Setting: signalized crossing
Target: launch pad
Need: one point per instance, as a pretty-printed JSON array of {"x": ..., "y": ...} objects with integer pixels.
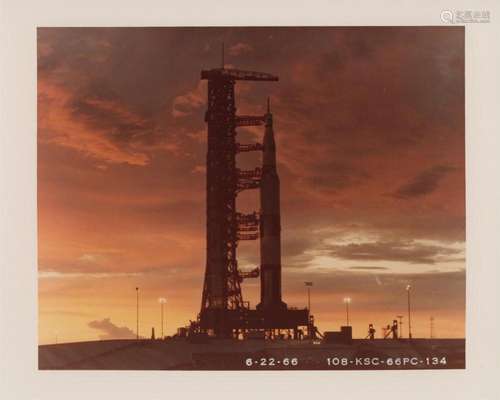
[
  {"x": 244, "y": 320},
  {"x": 223, "y": 313}
]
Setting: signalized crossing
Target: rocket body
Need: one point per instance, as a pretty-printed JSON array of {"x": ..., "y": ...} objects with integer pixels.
[{"x": 270, "y": 225}]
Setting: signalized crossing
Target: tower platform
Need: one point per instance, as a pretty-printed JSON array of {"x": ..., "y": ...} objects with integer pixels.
[{"x": 255, "y": 319}]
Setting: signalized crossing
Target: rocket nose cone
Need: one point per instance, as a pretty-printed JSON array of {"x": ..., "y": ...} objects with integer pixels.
[{"x": 269, "y": 151}]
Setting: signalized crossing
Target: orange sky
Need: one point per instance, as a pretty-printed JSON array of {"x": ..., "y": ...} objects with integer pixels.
[{"x": 370, "y": 133}]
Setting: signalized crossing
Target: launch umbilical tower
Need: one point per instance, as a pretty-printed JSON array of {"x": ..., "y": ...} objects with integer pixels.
[{"x": 223, "y": 311}]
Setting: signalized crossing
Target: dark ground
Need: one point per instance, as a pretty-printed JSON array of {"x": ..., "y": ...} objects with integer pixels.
[{"x": 179, "y": 354}]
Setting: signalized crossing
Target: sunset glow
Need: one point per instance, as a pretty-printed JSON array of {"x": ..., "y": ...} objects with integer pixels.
[{"x": 369, "y": 125}]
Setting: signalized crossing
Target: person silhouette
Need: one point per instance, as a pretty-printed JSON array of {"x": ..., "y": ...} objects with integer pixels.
[
  {"x": 371, "y": 332},
  {"x": 387, "y": 331},
  {"x": 394, "y": 329}
]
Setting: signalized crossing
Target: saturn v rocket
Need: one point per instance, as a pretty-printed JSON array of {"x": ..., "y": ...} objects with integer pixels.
[{"x": 270, "y": 224}]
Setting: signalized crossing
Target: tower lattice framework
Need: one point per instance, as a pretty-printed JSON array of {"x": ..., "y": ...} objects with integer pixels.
[{"x": 222, "y": 296}]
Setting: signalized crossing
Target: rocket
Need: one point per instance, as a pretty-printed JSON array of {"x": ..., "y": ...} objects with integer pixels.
[{"x": 270, "y": 225}]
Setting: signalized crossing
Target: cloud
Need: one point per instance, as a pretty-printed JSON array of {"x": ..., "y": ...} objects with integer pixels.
[
  {"x": 405, "y": 251},
  {"x": 369, "y": 268},
  {"x": 376, "y": 292},
  {"x": 199, "y": 169},
  {"x": 89, "y": 257},
  {"x": 111, "y": 331},
  {"x": 183, "y": 105},
  {"x": 424, "y": 183},
  {"x": 240, "y": 48},
  {"x": 66, "y": 313},
  {"x": 333, "y": 176},
  {"x": 90, "y": 104},
  {"x": 93, "y": 127},
  {"x": 85, "y": 275}
]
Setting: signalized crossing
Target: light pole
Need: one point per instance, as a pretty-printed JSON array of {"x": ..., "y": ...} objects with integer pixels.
[
  {"x": 347, "y": 301},
  {"x": 400, "y": 317},
  {"x": 408, "y": 289},
  {"x": 162, "y": 301},
  {"x": 137, "y": 312},
  {"x": 308, "y": 285}
]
